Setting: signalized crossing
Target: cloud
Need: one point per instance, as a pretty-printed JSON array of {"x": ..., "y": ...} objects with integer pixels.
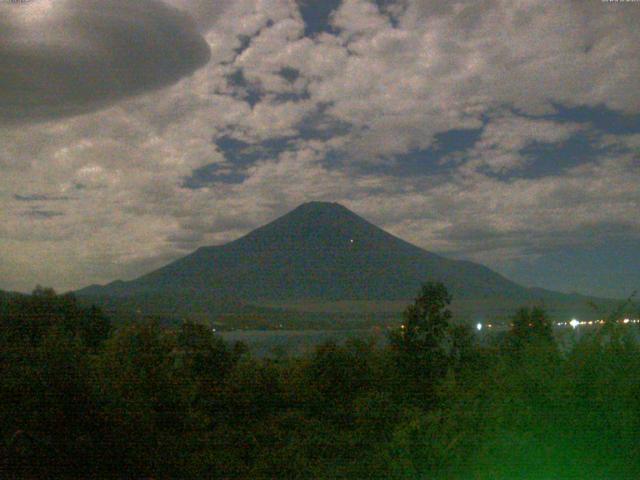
[
  {"x": 63, "y": 57},
  {"x": 377, "y": 85},
  {"x": 39, "y": 198},
  {"x": 42, "y": 213},
  {"x": 446, "y": 65},
  {"x": 203, "y": 12},
  {"x": 500, "y": 146}
]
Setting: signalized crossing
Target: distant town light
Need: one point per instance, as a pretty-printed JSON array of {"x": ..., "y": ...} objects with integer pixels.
[
  {"x": 574, "y": 323},
  {"x": 626, "y": 320},
  {"x": 479, "y": 327}
]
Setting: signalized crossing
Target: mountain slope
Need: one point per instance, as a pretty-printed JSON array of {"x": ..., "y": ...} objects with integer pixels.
[{"x": 319, "y": 252}]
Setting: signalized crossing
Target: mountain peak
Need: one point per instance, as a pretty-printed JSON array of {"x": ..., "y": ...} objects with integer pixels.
[
  {"x": 319, "y": 204},
  {"x": 322, "y": 204},
  {"x": 321, "y": 207},
  {"x": 321, "y": 223},
  {"x": 320, "y": 251}
]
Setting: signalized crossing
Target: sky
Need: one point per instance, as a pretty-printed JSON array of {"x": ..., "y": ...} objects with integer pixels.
[{"x": 506, "y": 132}]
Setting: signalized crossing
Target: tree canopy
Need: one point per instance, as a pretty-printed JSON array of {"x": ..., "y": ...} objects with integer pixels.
[{"x": 143, "y": 400}]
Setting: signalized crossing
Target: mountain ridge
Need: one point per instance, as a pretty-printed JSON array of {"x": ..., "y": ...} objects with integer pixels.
[{"x": 318, "y": 252}]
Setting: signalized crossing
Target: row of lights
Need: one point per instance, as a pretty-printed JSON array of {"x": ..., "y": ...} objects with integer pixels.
[
  {"x": 576, "y": 323},
  {"x": 480, "y": 326},
  {"x": 573, "y": 323}
]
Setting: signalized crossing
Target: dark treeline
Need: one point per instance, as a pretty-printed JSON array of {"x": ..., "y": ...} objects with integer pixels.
[{"x": 80, "y": 398}]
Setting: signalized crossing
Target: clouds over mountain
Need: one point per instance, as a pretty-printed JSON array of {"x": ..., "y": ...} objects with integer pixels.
[
  {"x": 61, "y": 57},
  {"x": 474, "y": 95}
]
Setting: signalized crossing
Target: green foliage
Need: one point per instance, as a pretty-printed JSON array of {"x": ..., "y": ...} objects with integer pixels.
[
  {"x": 530, "y": 325},
  {"x": 30, "y": 318},
  {"x": 427, "y": 345},
  {"x": 426, "y": 321},
  {"x": 80, "y": 400},
  {"x": 47, "y": 407}
]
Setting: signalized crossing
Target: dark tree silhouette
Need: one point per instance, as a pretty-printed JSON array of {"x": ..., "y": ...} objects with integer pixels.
[
  {"x": 422, "y": 344},
  {"x": 154, "y": 401},
  {"x": 31, "y": 317},
  {"x": 530, "y": 325},
  {"x": 426, "y": 321}
]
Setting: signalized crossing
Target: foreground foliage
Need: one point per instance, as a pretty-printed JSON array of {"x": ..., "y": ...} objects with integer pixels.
[{"x": 81, "y": 399}]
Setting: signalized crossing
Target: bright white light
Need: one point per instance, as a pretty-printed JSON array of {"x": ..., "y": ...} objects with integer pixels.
[
  {"x": 626, "y": 320},
  {"x": 479, "y": 326},
  {"x": 574, "y": 323},
  {"x": 351, "y": 240}
]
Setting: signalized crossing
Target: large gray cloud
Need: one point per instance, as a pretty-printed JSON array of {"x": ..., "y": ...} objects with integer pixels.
[
  {"x": 204, "y": 12},
  {"x": 61, "y": 57}
]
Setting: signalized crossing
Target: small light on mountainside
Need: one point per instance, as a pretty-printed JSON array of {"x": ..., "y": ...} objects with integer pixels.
[
  {"x": 479, "y": 327},
  {"x": 574, "y": 323}
]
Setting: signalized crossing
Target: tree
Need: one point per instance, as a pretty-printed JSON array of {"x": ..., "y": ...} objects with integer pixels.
[
  {"x": 144, "y": 401},
  {"x": 94, "y": 327},
  {"x": 335, "y": 375},
  {"x": 422, "y": 344},
  {"x": 204, "y": 356},
  {"x": 426, "y": 321},
  {"x": 462, "y": 351},
  {"x": 31, "y": 318},
  {"x": 530, "y": 325}
]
